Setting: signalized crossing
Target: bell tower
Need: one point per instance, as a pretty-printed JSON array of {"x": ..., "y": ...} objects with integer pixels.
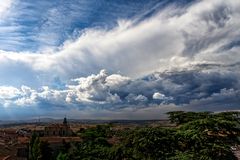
[{"x": 65, "y": 121}]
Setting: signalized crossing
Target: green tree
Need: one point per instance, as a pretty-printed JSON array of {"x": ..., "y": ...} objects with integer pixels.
[
  {"x": 39, "y": 150},
  {"x": 210, "y": 137},
  {"x": 63, "y": 156},
  {"x": 34, "y": 147},
  {"x": 198, "y": 136}
]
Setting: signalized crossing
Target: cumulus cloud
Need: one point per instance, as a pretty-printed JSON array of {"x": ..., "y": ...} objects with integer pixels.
[
  {"x": 160, "y": 96},
  {"x": 131, "y": 98},
  {"x": 116, "y": 91},
  {"x": 14, "y": 96},
  {"x": 28, "y": 97},
  {"x": 95, "y": 88},
  {"x": 8, "y": 92}
]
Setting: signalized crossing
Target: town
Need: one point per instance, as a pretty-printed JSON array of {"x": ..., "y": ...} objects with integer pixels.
[
  {"x": 15, "y": 139},
  {"x": 125, "y": 139}
]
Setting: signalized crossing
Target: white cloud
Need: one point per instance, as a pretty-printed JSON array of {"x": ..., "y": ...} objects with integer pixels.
[
  {"x": 115, "y": 81},
  {"x": 132, "y": 98},
  {"x": 14, "y": 96},
  {"x": 4, "y": 6},
  {"x": 8, "y": 92},
  {"x": 187, "y": 90},
  {"x": 161, "y": 96},
  {"x": 95, "y": 88},
  {"x": 92, "y": 89},
  {"x": 174, "y": 38},
  {"x": 26, "y": 97}
]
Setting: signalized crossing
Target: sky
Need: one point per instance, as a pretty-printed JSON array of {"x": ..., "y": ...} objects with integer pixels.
[{"x": 118, "y": 59}]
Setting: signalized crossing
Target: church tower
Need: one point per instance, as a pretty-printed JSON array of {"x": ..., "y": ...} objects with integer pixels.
[{"x": 65, "y": 121}]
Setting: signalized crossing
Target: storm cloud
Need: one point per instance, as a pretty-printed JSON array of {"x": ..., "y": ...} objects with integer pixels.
[{"x": 179, "y": 56}]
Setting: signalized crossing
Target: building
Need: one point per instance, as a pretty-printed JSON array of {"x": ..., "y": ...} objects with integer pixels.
[
  {"x": 55, "y": 143},
  {"x": 62, "y": 130}
]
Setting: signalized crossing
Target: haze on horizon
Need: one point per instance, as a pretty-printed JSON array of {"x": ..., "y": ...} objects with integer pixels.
[{"x": 118, "y": 59}]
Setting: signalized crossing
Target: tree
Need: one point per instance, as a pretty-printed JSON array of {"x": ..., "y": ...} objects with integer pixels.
[
  {"x": 210, "y": 137},
  {"x": 94, "y": 145},
  {"x": 45, "y": 151},
  {"x": 39, "y": 150},
  {"x": 180, "y": 117},
  {"x": 198, "y": 136},
  {"x": 34, "y": 150},
  {"x": 63, "y": 156},
  {"x": 151, "y": 143}
]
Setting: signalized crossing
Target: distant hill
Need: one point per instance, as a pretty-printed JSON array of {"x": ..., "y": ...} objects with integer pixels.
[{"x": 84, "y": 121}]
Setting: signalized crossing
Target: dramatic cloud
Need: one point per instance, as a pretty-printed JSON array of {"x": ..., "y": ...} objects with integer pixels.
[
  {"x": 175, "y": 37},
  {"x": 95, "y": 88},
  {"x": 188, "y": 89},
  {"x": 179, "y": 56}
]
